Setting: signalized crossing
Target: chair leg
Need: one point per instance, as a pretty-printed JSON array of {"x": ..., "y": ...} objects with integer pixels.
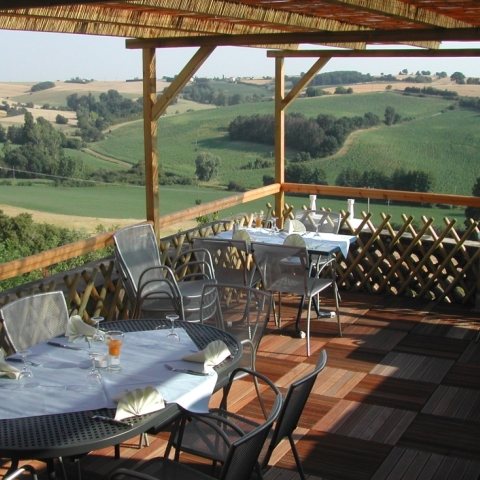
[
  {"x": 297, "y": 458},
  {"x": 308, "y": 325},
  {"x": 337, "y": 307}
]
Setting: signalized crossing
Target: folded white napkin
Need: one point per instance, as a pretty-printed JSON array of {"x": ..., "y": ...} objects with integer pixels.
[
  {"x": 213, "y": 354},
  {"x": 77, "y": 328},
  {"x": 138, "y": 402},
  {"x": 242, "y": 234},
  {"x": 295, "y": 240},
  {"x": 7, "y": 370}
]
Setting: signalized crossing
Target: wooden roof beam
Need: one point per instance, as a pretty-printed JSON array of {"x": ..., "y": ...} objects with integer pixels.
[
  {"x": 370, "y": 36},
  {"x": 403, "y": 11},
  {"x": 10, "y": 4},
  {"x": 451, "y": 52}
]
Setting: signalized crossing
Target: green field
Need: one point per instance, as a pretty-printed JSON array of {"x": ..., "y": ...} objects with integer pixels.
[
  {"x": 444, "y": 144},
  {"x": 129, "y": 202},
  {"x": 431, "y": 142}
]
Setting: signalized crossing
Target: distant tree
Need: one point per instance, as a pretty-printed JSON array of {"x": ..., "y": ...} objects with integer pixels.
[
  {"x": 458, "y": 77},
  {"x": 441, "y": 74},
  {"x": 404, "y": 72},
  {"x": 391, "y": 117},
  {"x": 61, "y": 120},
  {"x": 207, "y": 166},
  {"x": 388, "y": 87},
  {"x": 42, "y": 86},
  {"x": 3, "y": 134}
]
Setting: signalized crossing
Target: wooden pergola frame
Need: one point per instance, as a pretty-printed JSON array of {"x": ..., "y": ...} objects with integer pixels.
[{"x": 153, "y": 108}]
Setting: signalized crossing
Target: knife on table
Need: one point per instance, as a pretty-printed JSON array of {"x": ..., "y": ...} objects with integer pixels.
[{"x": 55, "y": 344}]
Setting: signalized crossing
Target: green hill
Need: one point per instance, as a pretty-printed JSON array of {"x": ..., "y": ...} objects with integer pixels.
[{"x": 430, "y": 141}]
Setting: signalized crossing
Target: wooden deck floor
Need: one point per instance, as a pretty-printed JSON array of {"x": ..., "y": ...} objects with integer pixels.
[{"x": 398, "y": 399}]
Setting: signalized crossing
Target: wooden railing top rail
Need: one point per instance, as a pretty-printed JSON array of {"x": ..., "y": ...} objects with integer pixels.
[
  {"x": 222, "y": 204},
  {"x": 59, "y": 254},
  {"x": 403, "y": 196}
]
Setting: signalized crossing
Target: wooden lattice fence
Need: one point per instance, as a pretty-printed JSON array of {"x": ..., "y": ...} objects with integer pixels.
[{"x": 429, "y": 262}]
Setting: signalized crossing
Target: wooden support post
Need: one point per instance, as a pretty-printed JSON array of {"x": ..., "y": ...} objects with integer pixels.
[
  {"x": 279, "y": 136},
  {"x": 150, "y": 138}
]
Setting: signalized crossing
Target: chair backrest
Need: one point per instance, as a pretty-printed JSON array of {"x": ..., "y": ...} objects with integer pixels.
[
  {"x": 283, "y": 268},
  {"x": 328, "y": 222},
  {"x": 293, "y": 405},
  {"x": 229, "y": 257},
  {"x": 34, "y": 319},
  {"x": 136, "y": 249},
  {"x": 242, "y": 311},
  {"x": 243, "y": 454}
]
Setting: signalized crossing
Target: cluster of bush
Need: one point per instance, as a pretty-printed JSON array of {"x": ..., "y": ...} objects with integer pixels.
[
  {"x": 201, "y": 91},
  {"x": 257, "y": 164},
  {"x": 319, "y": 137},
  {"x": 448, "y": 94},
  {"x": 13, "y": 110},
  {"x": 42, "y": 86},
  {"x": 95, "y": 116},
  {"x": 20, "y": 237},
  {"x": 336, "y": 78}
]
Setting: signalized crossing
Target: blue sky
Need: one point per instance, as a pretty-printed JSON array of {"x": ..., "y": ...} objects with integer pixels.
[{"x": 32, "y": 56}]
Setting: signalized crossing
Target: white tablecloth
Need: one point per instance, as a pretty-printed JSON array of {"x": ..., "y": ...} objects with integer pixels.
[
  {"x": 63, "y": 376},
  {"x": 323, "y": 243}
]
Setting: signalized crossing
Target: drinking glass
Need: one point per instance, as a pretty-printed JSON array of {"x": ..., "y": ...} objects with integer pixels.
[
  {"x": 274, "y": 224},
  {"x": 98, "y": 335},
  {"x": 114, "y": 340},
  {"x": 94, "y": 376},
  {"x": 26, "y": 375},
  {"x": 173, "y": 333}
]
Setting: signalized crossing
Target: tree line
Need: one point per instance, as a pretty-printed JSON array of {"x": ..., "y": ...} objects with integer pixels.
[
  {"x": 20, "y": 237},
  {"x": 320, "y": 137},
  {"x": 201, "y": 91},
  {"x": 95, "y": 116}
]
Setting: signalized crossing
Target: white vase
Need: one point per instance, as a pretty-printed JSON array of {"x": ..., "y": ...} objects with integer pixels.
[{"x": 313, "y": 202}]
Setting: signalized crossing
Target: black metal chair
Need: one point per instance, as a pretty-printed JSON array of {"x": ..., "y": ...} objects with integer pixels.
[
  {"x": 231, "y": 260},
  {"x": 242, "y": 311},
  {"x": 20, "y": 471},
  {"x": 285, "y": 269},
  {"x": 199, "y": 439},
  {"x": 34, "y": 319},
  {"x": 240, "y": 456},
  {"x": 30, "y": 320},
  {"x": 155, "y": 288}
]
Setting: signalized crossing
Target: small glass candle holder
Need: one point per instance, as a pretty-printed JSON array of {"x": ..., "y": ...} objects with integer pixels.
[{"x": 114, "y": 341}]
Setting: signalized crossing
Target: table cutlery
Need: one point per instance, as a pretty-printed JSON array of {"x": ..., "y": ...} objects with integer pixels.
[
  {"x": 112, "y": 421},
  {"x": 185, "y": 370},
  {"x": 55, "y": 344},
  {"x": 29, "y": 362}
]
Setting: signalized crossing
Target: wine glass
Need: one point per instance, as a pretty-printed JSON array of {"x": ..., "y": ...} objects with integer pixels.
[
  {"x": 98, "y": 336},
  {"x": 172, "y": 332},
  {"x": 94, "y": 375},
  {"x": 26, "y": 375},
  {"x": 274, "y": 224}
]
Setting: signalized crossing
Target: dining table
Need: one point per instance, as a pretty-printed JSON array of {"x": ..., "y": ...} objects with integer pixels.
[
  {"x": 55, "y": 418},
  {"x": 317, "y": 243},
  {"x": 321, "y": 243}
]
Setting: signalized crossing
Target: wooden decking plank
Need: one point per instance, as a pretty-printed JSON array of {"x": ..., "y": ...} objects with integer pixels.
[
  {"x": 391, "y": 392},
  {"x": 463, "y": 375},
  {"x": 341, "y": 458},
  {"x": 353, "y": 359},
  {"x": 443, "y": 435},
  {"x": 389, "y": 463},
  {"x": 449, "y": 348}
]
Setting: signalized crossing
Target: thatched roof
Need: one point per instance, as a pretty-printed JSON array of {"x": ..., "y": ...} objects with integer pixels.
[{"x": 286, "y": 23}]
